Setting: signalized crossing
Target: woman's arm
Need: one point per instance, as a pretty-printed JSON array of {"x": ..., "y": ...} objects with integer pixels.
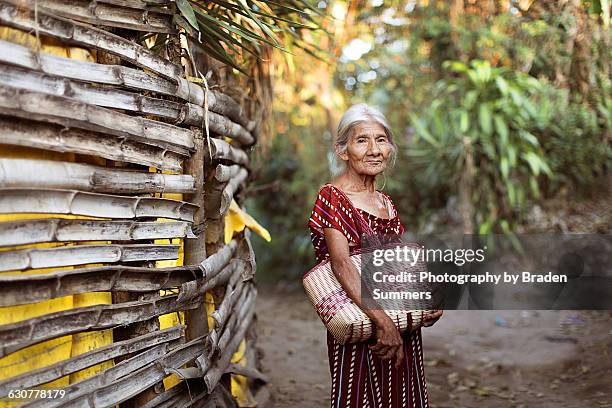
[{"x": 389, "y": 340}]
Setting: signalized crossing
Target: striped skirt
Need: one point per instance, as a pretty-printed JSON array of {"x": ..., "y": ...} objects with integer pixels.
[{"x": 360, "y": 379}]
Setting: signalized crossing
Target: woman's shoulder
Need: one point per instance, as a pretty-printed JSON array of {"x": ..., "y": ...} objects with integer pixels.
[
  {"x": 332, "y": 193},
  {"x": 332, "y": 211},
  {"x": 328, "y": 187},
  {"x": 387, "y": 196},
  {"x": 390, "y": 200},
  {"x": 332, "y": 201}
]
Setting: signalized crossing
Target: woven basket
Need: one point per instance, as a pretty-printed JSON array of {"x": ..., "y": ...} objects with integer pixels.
[{"x": 342, "y": 317}]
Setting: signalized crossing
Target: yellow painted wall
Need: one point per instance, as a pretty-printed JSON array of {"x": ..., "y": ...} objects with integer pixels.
[{"x": 56, "y": 350}]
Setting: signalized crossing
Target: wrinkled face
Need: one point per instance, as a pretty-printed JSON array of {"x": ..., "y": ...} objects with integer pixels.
[{"x": 368, "y": 149}]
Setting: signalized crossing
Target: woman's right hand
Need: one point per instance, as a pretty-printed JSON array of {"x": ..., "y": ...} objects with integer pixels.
[{"x": 389, "y": 342}]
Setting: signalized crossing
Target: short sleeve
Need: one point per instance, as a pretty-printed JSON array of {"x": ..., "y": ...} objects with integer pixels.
[{"x": 331, "y": 211}]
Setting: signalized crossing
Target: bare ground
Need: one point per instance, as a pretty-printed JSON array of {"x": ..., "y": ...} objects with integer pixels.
[{"x": 474, "y": 358}]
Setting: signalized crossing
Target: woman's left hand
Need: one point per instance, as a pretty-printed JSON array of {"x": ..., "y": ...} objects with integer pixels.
[{"x": 430, "y": 318}]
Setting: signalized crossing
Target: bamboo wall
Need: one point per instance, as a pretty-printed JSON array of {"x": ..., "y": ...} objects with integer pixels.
[{"x": 126, "y": 270}]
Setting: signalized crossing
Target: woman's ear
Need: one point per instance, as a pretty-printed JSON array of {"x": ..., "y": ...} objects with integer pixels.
[{"x": 343, "y": 156}]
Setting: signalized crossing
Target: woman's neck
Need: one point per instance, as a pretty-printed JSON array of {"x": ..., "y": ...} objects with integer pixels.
[{"x": 353, "y": 182}]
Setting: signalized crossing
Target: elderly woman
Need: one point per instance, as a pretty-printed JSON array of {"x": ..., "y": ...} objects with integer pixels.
[{"x": 386, "y": 371}]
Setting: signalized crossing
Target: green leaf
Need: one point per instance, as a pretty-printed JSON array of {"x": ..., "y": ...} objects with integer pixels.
[
  {"x": 546, "y": 169},
  {"x": 422, "y": 130},
  {"x": 455, "y": 66},
  {"x": 512, "y": 155},
  {"x": 535, "y": 162},
  {"x": 517, "y": 98},
  {"x": 239, "y": 10},
  {"x": 473, "y": 75},
  {"x": 298, "y": 8},
  {"x": 501, "y": 127},
  {"x": 470, "y": 99},
  {"x": 179, "y": 20},
  {"x": 235, "y": 28},
  {"x": 511, "y": 193},
  {"x": 503, "y": 165},
  {"x": 505, "y": 226},
  {"x": 502, "y": 85},
  {"x": 227, "y": 38},
  {"x": 484, "y": 118},
  {"x": 489, "y": 149},
  {"x": 484, "y": 228},
  {"x": 484, "y": 71},
  {"x": 529, "y": 138},
  {"x": 187, "y": 12},
  {"x": 529, "y": 108},
  {"x": 261, "y": 25},
  {"x": 219, "y": 21}
]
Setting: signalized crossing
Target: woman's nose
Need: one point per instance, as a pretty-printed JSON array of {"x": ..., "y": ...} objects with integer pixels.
[{"x": 374, "y": 148}]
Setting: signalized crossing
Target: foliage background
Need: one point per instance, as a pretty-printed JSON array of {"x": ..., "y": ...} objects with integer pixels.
[{"x": 498, "y": 108}]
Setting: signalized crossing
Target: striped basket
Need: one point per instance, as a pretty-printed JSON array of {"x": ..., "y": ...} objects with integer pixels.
[{"x": 342, "y": 317}]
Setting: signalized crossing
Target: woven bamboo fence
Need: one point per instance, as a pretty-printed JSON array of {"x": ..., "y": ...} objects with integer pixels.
[{"x": 126, "y": 273}]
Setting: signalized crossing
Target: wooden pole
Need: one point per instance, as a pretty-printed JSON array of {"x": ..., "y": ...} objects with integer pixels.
[{"x": 195, "y": 249}]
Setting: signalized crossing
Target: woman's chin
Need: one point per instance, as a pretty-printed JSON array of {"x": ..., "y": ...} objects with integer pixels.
[
  {"x": 381, "y": 167},
  {"x": 372, "y": 171}
]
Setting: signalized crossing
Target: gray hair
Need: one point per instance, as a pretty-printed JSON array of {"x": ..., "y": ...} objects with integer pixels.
[{"x": 355, "y": 115}]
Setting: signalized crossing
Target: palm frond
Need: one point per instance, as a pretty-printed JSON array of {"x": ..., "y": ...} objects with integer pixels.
[{"x": 230, "y": 29}]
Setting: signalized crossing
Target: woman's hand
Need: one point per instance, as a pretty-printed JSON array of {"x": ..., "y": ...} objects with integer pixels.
[
  {"x": 389, "y": 342},
  {"x": 430, "y": 318}
]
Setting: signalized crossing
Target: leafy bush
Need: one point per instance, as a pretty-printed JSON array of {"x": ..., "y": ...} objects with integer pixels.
[
  {"x": 482, "y": 121},
  {"x": 576, "y": 151}
]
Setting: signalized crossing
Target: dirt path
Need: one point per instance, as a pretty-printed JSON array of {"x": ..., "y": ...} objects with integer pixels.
[{"x": 474, "y": 359}]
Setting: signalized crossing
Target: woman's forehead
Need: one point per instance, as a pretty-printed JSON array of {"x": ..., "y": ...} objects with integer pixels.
[{"x": 367, "y": 128}]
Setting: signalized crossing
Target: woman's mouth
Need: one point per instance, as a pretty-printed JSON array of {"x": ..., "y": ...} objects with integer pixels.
[{"x": 374, "y": 162}]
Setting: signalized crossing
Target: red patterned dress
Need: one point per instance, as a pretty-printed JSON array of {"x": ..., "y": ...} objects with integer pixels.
[{"x": 360, "y": 379}]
